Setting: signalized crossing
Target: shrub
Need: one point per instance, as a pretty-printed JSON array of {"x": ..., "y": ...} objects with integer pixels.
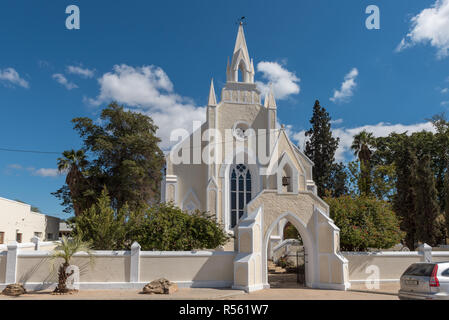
[
  {"x": 364, "y": 223},
  {"x": 162, "y": 227}
]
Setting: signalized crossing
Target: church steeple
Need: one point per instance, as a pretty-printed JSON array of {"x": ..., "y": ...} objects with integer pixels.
[
  {"x": 212, "y": 101},
  {"x": 240, "y": 61},
  {"x": 270, "y": 101}
]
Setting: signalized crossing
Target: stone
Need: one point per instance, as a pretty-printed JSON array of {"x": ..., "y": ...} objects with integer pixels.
[
  {"x": 160, "y": 286},
  {"x": 14, "y": 290}
]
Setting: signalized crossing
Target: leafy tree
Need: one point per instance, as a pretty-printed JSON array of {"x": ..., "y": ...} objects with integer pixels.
[
  {"x": 362, "y": 144},
  {"x": 165, "y": 227},
  {"x": 426, "y": 205},
  {"x": 447, "y": 203},
  {"x": 321, "y": 147},
  {"x": 124, "y": 156},
  {"x": 338, "y": 181},
  {"x": 158, "y": 227},
  {"x": 104, "y": 227},
  {"x": 364, "y": 223},
  {"x": 405, "y": 198}
]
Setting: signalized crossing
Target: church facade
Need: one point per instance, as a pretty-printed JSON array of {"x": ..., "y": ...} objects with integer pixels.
[{"x": 241, "y": 166}]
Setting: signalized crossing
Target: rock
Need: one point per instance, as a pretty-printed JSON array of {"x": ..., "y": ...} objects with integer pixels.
[
  {"x": 160, "y": 286},
  {"x": 14, "y": 290}
]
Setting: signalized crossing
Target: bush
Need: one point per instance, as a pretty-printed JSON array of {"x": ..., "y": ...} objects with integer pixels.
[
  {"x": 162, "y": 227},
  {"x": 364, "y": 223},
  {"x": 165, "y": 227}
]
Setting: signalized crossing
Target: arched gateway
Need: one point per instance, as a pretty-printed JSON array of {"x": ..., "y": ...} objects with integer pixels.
[
  {"x": 252, "y": 193},
  {"x": 325, "y": 267}
]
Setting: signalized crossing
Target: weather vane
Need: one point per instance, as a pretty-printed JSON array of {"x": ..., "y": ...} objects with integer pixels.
[{"x": 241, "y": 21}]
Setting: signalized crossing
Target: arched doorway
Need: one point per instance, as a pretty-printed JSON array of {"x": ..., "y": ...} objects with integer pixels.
[
  {"x": 286, "y": 258},
  {"x": 289, "y": 278}
]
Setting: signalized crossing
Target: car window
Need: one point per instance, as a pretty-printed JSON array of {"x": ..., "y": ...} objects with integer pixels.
[
  {"x": 420, "y": 269},
  {"x": 445, "y": 273}
]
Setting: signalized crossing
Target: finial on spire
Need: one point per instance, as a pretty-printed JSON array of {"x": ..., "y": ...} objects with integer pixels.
[{"x": 212, "y": 101}]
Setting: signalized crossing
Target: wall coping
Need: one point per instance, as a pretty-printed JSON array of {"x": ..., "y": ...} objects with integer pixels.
[{"x": 383, "y": 253}]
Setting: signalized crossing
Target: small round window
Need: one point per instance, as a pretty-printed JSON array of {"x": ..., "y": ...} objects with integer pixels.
[{"x": 241, "y": 130}]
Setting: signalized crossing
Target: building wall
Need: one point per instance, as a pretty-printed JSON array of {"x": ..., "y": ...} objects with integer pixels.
[{"x": 16, "y": 217}]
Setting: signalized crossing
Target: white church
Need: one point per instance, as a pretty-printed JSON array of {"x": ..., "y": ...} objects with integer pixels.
[{"x": 242, "y": 168}]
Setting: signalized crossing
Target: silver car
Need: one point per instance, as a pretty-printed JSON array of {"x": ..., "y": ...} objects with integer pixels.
[{"x": 428, "y": 281}]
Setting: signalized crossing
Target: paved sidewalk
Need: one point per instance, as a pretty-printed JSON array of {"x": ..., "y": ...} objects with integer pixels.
[{"x": 300, "y": 293}]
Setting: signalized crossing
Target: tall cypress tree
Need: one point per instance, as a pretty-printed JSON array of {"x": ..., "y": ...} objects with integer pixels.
[
  {"x": 426, "y": 207},
  {"x": 405, "y": 198},
  {"x": 321, "y": 148},
  {"x": 446, "y": 197}
]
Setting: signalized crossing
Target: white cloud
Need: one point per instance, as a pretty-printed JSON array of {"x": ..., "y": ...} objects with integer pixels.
[
  {"x": 46, "y": 172},
  {"x": 444, "y": 90},
  {"x": 337, "y": 121},
  {"x": 284, "y": 82},
  {"x": 12, "y": 76},
  {"x": 346, "y": 135},
  {"x": 84, "y": 72},
  {"x": 148, "y": 90},
  {"x": 347, "y": 88},
  {"x": 430, "y": 26},
  {"x": 444, "y": 103},
  {"x": 61, "y": 79}
]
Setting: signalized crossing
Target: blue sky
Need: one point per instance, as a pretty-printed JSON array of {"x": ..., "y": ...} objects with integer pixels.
[{"x": 171, "y": 50}]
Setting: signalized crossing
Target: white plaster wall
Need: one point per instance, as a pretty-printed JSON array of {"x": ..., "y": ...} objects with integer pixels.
[
  {"x": 391, "y": 265},
  {"x": 18, "y": 217}
]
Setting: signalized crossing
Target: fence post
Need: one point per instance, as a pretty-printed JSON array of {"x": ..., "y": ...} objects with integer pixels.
[
  {"x": 426, "y": 251},
  {"x": 36, "y": 241},
  {"x": 11, "y": 263},
  {"x": 135, "y": 263}
]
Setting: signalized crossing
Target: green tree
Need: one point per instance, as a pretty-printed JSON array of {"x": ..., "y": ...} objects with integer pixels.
[
  {"x": 124, "y": 156},
  {"x": 166, "y": 227},
  {"x": 362, "y": 144},
  {"x": 364, "y": 223},
  {"x": 405, "y": 198},
  {"x": 446, "y": 211},
  {"x": 426, "y": 205},
  {"x": 338, "y": 181},
  {"x": 103, "y": 226},
  {"x": 75, "y": 163},
  {"x": 321, "y": 147}
]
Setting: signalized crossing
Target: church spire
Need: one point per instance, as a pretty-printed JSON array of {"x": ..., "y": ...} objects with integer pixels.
[
  {"x": 212, "y": 101},
  {"x": 270, "y": 101},
  {"x": 241, "y": 61}
]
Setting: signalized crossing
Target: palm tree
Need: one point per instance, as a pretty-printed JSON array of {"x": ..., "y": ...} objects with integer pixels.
[
  {"x": 362, "y": 144},
  {"x": 66, "y": 250},
  {"x": 73, "y": 163}
]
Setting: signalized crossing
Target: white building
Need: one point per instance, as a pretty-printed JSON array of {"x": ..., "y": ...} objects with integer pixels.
[
  {"x": 241, "y": 167},
  {"x": 19, "y": 223}
]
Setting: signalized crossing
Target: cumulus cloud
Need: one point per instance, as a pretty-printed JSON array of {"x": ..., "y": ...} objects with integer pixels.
[
  {"x": 46, "y": 172},
  {"x": 61, "y": 79},
  {"x": 283, "y": 81},
  {"x": 42, "y": 172},
  {"x": 149, "y": 90},
  {"x": 347, "y": 87},
  {"x": 444, "y": 90},
  {"x": 10, "y": 76},
  {"x": 83, "y": 72},
  {"x": 431, "y": 25},
  {"x": 346, "y": 135}
]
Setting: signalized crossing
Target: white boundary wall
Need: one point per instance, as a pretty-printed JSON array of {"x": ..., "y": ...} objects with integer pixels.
[
  {"x": 388, "y": 266},
  {"x": 119, "y": 269}
]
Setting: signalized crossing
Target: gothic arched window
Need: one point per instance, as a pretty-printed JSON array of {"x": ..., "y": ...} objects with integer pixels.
[{"x": 240, "y": 192}]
